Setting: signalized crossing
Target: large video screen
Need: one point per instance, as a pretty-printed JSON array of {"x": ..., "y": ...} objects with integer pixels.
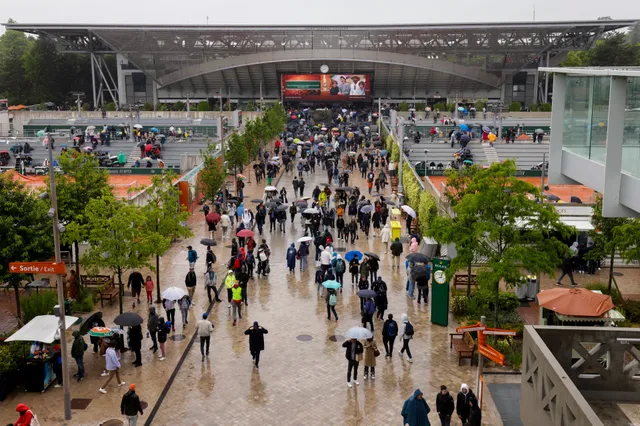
[{"x": 326, "y": 87}]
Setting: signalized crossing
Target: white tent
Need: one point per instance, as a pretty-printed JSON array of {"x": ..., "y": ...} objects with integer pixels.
[{"x": 43, "y": 328}]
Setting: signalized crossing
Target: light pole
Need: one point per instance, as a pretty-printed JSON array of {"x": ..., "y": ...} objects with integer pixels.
[
  {"x": 400, "y": 135},
  {"x": 426, "y": 151},
  {"x": 57, "y": 228}
]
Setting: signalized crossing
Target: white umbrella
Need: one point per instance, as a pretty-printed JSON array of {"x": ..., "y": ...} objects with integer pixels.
[
  {"x": 173, "y": 293},
  {"x": 270, "y": 188},
  {"x": 276, "y": 158},
  {"x": 358, "y": 333},
  {"x": 138, "y": 126},
  {"x": 311, "y": 211},
  {"x": 91, "y": 127},
  {"x": 305, "y": 239},
  {"x": 411, "y": 212}
]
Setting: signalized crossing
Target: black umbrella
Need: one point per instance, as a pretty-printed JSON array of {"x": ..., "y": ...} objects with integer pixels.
[
  {"x": 128, "y": 319},
  {"x": 419, "y": 271},
  {"x": 375, "y": 256},
  {"x": 257, "y": 201},
  {"x": 418, "y": 258},
  {"x": 366, "y": 294},
  {"x": 208, "y": 242},
  {"x": 282, "y": 208},
  {"x": 271, "y": 205},
  {"x": 301, "y": 203},
  {"x": 88, "y": 323}
]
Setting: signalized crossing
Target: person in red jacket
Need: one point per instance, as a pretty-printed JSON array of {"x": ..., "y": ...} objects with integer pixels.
[{"x": 26, "y": 416}]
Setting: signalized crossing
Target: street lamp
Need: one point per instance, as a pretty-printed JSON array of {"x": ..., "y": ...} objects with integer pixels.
[{"x": 426, "y": 151}]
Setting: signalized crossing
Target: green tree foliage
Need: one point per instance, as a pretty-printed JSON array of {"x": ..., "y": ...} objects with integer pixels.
[
  {"x": 179, "y": 106},
  {"x": 212, "y": 175},
  {"x": 236, "y": 155},
  {"x": 118, "y": 236},
  {"x": 545, "y": 107},
  {"x": 513, "y": 233},
  {"x": 578, "y": 58},
  {"x": 13, "y": 82},
  {"x": 515, "y": 106},
  {"x": 204, "y": 106},
  {"x": 614, "y": 51},
  {"x": 25, "y": 230},
  {"x": 403, "y": 106},
  {"x": 111, "y": 106}
]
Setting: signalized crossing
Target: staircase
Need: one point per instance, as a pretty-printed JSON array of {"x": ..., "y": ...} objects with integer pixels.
[{"x": 491, "y": 154}]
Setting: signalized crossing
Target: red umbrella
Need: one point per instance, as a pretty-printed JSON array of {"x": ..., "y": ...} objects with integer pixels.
[
  {"x": 245, "y": 233},
  {"x": 213, "y": 217}
]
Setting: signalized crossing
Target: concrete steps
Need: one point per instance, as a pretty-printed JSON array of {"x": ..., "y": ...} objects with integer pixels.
[
  {"x": 526, "y": 156},
  {"x": 491, "y": 154}
]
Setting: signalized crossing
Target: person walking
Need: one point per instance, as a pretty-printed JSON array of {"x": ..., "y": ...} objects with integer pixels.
[
  {"x": 204, "y": 328},
  {"x": 370, "y": 353},
  {"x": 148, "y": 286},
  {"x": 152, "y": 327},
  {"x": 164, "y": 328},
  {"x": 415, "y": 410},
  {"x": 353, "y": 353},
  {"x": 77, "y": 352},
  {"x": 367, "y": 314},
  {"x": 184, "y": 304},
  {"x": 396, "y": 252},
  {"x": 27, "y": 416},
  {"x": 256, "y": 341},
  {"x": 113, "y": 366},
  {"x": 292, "y": 253},
  {"x": 170, "y": 309},
  {"x": 236, "y": 303},
  {"x": 422, "y": 282},
  {"x": 444, "y": 406},
  {"x": 229, "y": 282},
  {"x": 192, "y": 256},
  {"x": 135, "y": 282},
  {"x": 135, "y": 343},
  {"x": 380, "y": 287},
  {"x": 475, "y": 414},
  {"x": 389, "y": 334},
  {"x": 303, "y": 253},
  {"x": 332, "y": 300},
  {"x": 406, "y": 331},
  {"x": 363, "y": 284},
  {"x": 339, "y": 266},
  {"x": 225, "y": 223},
  {"x": 130, "y": 405},
  {"x": 462, "y": 403},
  {"x": 568, "y": 263},
  {"x": 210, "y": 281},
  {"x": 374, "y": 265},
  {"x": 190, "y": 283},
  {"x": 385, "y": 237},
  {"x": 354, "y": 268}
]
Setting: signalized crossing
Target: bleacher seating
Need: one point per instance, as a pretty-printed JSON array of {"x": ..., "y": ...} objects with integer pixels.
[
  {"x": 527, "y": 155},
  {"x": 441, "y": 153}
]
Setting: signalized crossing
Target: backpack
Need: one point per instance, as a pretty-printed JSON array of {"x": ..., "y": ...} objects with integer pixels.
[
  {"x": 340, "y": 266},
  {"x": 333, "y": 300},
  {"x": 370, "y": 307},
  {"x": 236, "y": 263},
  {"x": 244, "y": 269},
  {"x": 408, "y": 330},
  {"x": 392, "y": 329}
]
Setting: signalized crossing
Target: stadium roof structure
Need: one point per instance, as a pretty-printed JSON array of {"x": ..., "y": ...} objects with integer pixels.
[{"x": 402, "y": 58}]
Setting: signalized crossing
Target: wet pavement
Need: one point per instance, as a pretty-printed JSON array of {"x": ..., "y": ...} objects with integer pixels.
[{"x": 302, "y": 372}]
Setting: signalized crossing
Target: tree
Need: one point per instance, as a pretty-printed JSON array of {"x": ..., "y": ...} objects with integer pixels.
[
  {"x": 606, "y": 236},
  {"x": 614, "y": 51},
  {"x": 41, "y": 70},
  {"x": 118, "y": 237},
  {"x": 212, "y": 176},
  {"x": 204, "y": 106},
  {"x": 25, "y": 231},
  {"x": 576, "y": 59},
  {"x": 82, "y": 181},
  {"x": 179, "y": 106},
  {"x": 511, "y": 230},
  {"x": 164, "y": 219},
  {"x": 13, "y": 46},
  {"x": 237, "y": 155}
]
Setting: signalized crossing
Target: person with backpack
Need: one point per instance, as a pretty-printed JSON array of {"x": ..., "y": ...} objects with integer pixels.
[
  {"x": 292, "y": 253},
  {"x": 354, "y": 268},
  {"x": 77, "y": 352},
  {"x": 163, "y": 330},
  {"x": 211, "y": 257},
  {"x": 406, "y": 331},
  {"x": 210, "y": 280},
  {"x": 332, "y": 300},
  {"x": 192, "y": 256},
  {"x": 130, "y": 405},
  {"x": 367, "y": 315},
  {"x": 263, "y": 258},
  {"x": 389, "y": 334},
  {"x": 422, "y": 282},
  {"x": 190, "y": 283},
  {"x": 251, "y": 262},
  {"x": 339, "y": 266},
  {"x": 380, "y": 287},
  {"x": 234, "y": 247}
]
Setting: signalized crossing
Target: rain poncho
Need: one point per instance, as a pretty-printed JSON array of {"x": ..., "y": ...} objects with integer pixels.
[{"x": 415, "y": 411}]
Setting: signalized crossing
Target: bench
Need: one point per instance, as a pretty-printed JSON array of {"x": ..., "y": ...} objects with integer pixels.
[
  {"x": 109, "y": 292},
  {"x": 463, "y": 344},
  {"x": 460, "y": 280}
]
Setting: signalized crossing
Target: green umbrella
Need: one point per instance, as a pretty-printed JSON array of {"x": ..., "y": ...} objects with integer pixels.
[
  {"x": 331, "y": 284},
  {"x": 40, "y": 133},
  {"x": 100, "y": 332}
]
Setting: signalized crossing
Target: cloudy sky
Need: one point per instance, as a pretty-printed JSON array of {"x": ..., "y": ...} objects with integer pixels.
[{"x": 309, "y": 12}]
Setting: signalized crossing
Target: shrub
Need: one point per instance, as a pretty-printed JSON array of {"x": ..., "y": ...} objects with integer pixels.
[
  {"x": 111, "y": 106},
  {"x": 479, "y": 105},
  {"x": 450, "y": 107},
  {"x": 534, "y": 108},
  {"x": 250, "y": 106},
  {"x": 204, "y": 106},
  {"x": 515, "y": 107},
  {"x": 545, "y": 107},
  {"x": 147, "y": 107},
  {"x": 507, "y": 302},
  {"x": 162, "y": 107},
  {"x": 632, "y": 310},
  {"x": 439, "y": 106},
  {"x": 38, "y": 304},
  {"x": 12, "y": 356},
  {"x": 420, "y": 106},
  {"x": 403, "y": 106},
  {"x": 86, "y": 106},
  {"x": 459, "y": 305},
  {"x": 178, "y": 106}
]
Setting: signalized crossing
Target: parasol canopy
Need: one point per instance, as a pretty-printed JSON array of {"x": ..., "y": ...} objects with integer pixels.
[
  {"x": 575, "y": 302},
  {"x": 43, "y": 328}
]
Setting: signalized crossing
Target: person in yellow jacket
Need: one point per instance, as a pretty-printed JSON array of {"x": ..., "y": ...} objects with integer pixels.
[
  {"x": 322, "y": 198},
  {"x": 237, "y": 302},
  {"x": 229, "y": 281}
]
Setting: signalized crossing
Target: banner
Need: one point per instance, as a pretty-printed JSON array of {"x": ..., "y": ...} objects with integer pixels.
[
  {"x": 326, "y": 87},
  {"x": 440, "y": 292}
]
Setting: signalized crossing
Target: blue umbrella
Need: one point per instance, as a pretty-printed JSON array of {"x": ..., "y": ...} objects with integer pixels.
[
  {"x": 154, "y": 130},
  {"x": 464, "y": 127},
  {"x": 366, "y": 294},
  {"x": 366, "y": 209},
  {"x": 460, "y": 109},
  {"x": 384, "y": 152},
  {"x": 331, "y": 284},
  {"x": 350, "y": 255}
]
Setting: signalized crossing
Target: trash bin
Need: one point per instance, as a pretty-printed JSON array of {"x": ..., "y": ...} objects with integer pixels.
[
  {"x": 533, "y": 287},
  {"x": 521, "y": 289},
  {"x": 396, "y": 230}
]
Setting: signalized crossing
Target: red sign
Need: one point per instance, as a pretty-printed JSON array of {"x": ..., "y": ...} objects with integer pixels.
[
  {"x": 47, "y": 268},
  {"x": 491, "y": 353}
]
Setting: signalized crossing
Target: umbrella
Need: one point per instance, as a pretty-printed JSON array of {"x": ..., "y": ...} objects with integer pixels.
[
  {"x": 351, "y": 254},
  {"x": 256, "y": 201},
  {"x": 366, "y": 209},
  {"x": 411, "y": 212},
  {"x": 321, "y": 145},
  {"x": 100, "y": 332},
  {"x": 540, "y": 131},
  {"x": 94, "y": 127},
  {"x": 128, "y": 319},
  {"x": 282, "y": 208},
  {"x": 331, "y": 284},
  {"x": 299, "y": 143},
  {"x": 154, "y": 130},
  {"x": 241, "y": 176},
  {"x": 375, "y": 256},
  {"x": 271, "y": 205},
  {"x": 305, "y": 198},
  {"x": 173, "y": 293},
  {"x": 88, "y": 323},
  {"x": 210, "y": 242},
  {"x": 418, "y": 258},
  {"x": 460, "y": 109},
  {"x": 213, "y": 217},
  {"x": 305, "y": 239},
  {"x": 307, "y": 143},
  {"x": 486, "y": 129},
  {"x": 358, "y": 333},
  {"x": 575, "y": 302},
  {"x": 245, "y": 233},
  {"x": 40, "y": 133},
  {"x": 384, "y": 152},
  {"x": 270, "y": 188},
  {"x": 464, "y": 127},
  {"x": 137, "y": 126},
  {"x": 311, "y": 211},
  {"x": 301, "y": 203},
  {"x": 353, "y": 153},
  {"x": 419, "y": 271}
]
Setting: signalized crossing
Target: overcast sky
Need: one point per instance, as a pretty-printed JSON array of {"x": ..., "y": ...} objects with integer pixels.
[{"x": 309, "y": 12}]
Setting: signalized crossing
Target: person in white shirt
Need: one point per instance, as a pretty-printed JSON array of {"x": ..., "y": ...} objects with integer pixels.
[
  {"x": 225, "y": 222},
  {"x": 113, "y": 366},
  {"x": 204, "y": 328}
]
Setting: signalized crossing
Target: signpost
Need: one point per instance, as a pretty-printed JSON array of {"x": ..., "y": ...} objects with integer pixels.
[
  {"x": 45, "y": 268},
  {"x": 440, "y": 293}
]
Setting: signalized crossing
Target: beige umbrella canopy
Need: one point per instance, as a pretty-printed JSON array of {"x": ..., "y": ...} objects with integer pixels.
[{"x": 575, "y": 302}]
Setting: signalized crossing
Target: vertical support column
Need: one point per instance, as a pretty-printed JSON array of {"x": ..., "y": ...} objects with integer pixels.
[
  {"x": 536, "y": 82},
  {"x": 546, "y": 81},
  {"x": 557, "y": 129},
  {"x": 122, "y": 87},
  {"x": 611, "y": 206},
  {"x": 93, "y": 80}
]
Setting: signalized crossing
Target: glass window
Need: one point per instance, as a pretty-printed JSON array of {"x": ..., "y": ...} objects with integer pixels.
[
  {"x": 631, "y": 138},
  {"x": 575, "y": 137},
  {"x": 600, "y": 89}
]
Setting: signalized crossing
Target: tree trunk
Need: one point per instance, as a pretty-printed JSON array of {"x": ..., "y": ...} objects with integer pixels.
[
  {"x": 159, "y": 299},
  {"x": 16, "y": 287},
  {"x": 496, "y": 308},
  {"x": 613, "y": 253},
  {"x": 120, "y": 288},
  {"x": 76, "y": 246},
  {"x": 469, "y": 281}
]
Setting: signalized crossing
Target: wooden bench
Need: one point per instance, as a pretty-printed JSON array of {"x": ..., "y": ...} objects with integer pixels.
[
  {"x": 463, "y": 344},
  {"x": 460, "y": 280},
  {"x": 109, "y": 292}
]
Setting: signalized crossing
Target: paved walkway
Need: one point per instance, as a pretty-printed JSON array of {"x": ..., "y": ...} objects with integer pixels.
[{"x": 302, "y": 371}]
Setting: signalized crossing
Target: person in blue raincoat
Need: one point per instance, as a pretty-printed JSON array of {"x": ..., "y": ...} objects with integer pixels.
[
  {"x": 291, "y": 257},
  {"x": 415, "y": 410}
]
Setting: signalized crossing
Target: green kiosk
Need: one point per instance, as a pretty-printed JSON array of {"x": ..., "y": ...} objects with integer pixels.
[{"x": 440, "y": 292}]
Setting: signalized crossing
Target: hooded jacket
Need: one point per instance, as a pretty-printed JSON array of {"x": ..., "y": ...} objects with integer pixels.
[
  {"x": 403, "y": 327},
  {"x": 153, "y": 321},
  {"x": 462, "y": 402},
  {"x": 291, "y": 256},
  {"x": 385, "y": 234},
  {"x": 256, "y": 337},
  {"x": 26, "y": 415},
  {"x": 77, "y": 348},
  {"x": 130, "y": 404},
  {"x": 396, "y": 248},
  {"x": 230, "y": 280},
  {"x": 415, "y": 411}
]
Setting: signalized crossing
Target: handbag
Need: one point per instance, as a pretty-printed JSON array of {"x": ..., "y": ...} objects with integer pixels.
[{"x": 376, "y": 353}]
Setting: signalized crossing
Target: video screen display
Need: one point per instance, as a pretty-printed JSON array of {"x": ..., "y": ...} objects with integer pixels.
[{"x": 326, "y": 87}]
